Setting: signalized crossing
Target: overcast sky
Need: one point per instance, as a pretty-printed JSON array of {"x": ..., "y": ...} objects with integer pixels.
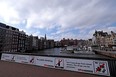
[{"x": 60, "y": 18}]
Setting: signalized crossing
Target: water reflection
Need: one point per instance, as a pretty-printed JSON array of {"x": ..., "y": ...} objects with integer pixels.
[
  {"x": 50, "y": 51},
  {"x": 56, "y": 52}
]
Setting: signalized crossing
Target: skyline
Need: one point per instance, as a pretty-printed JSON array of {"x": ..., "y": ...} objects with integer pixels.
[{"x": 75, "y": 19}]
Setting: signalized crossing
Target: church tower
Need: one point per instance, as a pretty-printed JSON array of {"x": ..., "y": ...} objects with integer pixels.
[{"x": 45, "y": 37}]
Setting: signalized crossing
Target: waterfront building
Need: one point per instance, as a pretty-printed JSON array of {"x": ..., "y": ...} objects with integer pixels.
[
  {"x": 99, "y": 38},
  {"x": 41, "y": 43},
  {"x": 21, "y": 41},
  {"x": 104, "y": 39},
  {"x": 27, "y": 43},
  {"x": 69, "y": 42},
  {"x": 64, "y": 42},
  {"x": 32, "y": 43},
  {"x": 114, "y": 41},
  {"x": 75, "y": 42},
  {"x": 9, "y": 39},
  {"x": 50, "y": 43},
  {"x": 89, "y": 42},
  {"x": 113, "y": 38},
  {"x": 2, "y": 35},
  {"x": 57, "y": 44},
  {"x": 82, "y": 43},
  {"x": 35, "y": 43}
]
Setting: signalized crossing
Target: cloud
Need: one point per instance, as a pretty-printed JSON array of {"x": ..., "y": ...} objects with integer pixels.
[
  {"x": 72, "y": 14},
  {"x": 108, "y": 29}
]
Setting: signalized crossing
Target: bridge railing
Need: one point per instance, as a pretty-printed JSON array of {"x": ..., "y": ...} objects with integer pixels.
[{"x": 92, "y": 66}]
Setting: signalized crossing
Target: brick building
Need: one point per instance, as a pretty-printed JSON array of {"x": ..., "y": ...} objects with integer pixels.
[
  {"x": 21, "y": 41},
  {"x": 9, "y": 38},
  {"x": 2, "y": 35}
]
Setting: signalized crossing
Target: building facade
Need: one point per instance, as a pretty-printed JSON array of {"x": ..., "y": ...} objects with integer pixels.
[
  {"x": 21, "y": 41},
  {"x": 35, "y": 43},
  {"x": 100, "y": 38},
  {"x": 103, "y": 38},
  {"x": 2, "y": 35},
  {"x": 9, "y": 38},
  {"x": 27, "y": 43}
]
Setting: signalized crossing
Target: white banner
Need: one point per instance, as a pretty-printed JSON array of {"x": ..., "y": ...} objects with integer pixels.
[
  {"x": 79, "y": 65},
  {"x": 32, "y": 60},
  {"x": 87, "y": 66},
  {"x": 59, "y": 63},
  {"x": 22, "y": 59},
  {"x": 8, "y": 57},
  {"x": 101, "y": 68},
  {"x": 45, "y": 61}
]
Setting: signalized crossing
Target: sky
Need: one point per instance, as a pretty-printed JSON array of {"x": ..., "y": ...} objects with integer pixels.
[{"x": 77, "y": 19}]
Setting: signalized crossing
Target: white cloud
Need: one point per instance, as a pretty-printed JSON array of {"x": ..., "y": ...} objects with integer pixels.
[
  {"x": 71, "y": 14},
  {"x": 9, "y": 14},
  {"x": 108, "y": 29}
]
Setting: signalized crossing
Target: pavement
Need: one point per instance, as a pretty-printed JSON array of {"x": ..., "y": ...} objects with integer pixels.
[{"x": 11, "y": 69}]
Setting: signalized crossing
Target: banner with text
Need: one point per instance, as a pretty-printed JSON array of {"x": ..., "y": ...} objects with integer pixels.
[
  {"x": 8, "y": 57},
  {"x": 79, "y": 65},
  {"x": 22, "y": 59},
  {"x": 87, "y": 66},
  {"x": 45, "y": 61}
]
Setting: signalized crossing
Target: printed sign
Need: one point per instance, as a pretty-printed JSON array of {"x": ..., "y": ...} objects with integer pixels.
[
  {"x": 87, "y": 66},
  {"x": 45, "y": 61},
  {"x": 22, "y": 59},
  {"x": 59, "y": 63},
  {"x": 101, "y": 67},
  {"x": 13, "y": 58},
  {"x": 79, "y": 65},
  {"x": 8, "y": 57},
  {"x": 32, "y": 60}
]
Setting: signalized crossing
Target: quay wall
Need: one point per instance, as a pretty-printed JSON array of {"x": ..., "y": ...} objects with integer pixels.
[{"x": 106, "y": 53}]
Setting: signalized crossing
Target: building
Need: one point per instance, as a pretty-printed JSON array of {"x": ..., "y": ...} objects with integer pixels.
[
  {"x": 41, "y": 43},
  {"x": 21, "y": 41},
  {"x": 69, "y": 42},
  {"x": 64, "y": 42},
  {"x": 82, "y": 43},
  {"x": 30, "y": 41},
  {"x": 113, "y": 38},
  {"x": 2, "y": 35},
  {"x": 89, "y": 42},
  {"x": 50, "y": 43},
  {"x": 57, "y": 44},
  {"x": 114, "y": 41},
  {"x": 8, "y": 38},
  {"x": 35, "y": 43},
  {"x": 99, "y": 38},
  {"x": 27, "y": 43}
]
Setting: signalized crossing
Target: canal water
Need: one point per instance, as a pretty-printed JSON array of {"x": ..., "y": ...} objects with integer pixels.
[
  {"x": 53, "y": 51},
  {"x": 56, "y": 52}
]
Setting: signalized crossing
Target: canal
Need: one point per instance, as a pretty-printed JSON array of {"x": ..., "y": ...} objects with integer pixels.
[{"x": 56, "y": 52}]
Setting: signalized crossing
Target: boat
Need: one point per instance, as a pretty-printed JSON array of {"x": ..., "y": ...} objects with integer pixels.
[
  {"x": 78, "y": 50},
  {"x": 83, "y": 51},
  {"x": 68, "y": 49}
]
